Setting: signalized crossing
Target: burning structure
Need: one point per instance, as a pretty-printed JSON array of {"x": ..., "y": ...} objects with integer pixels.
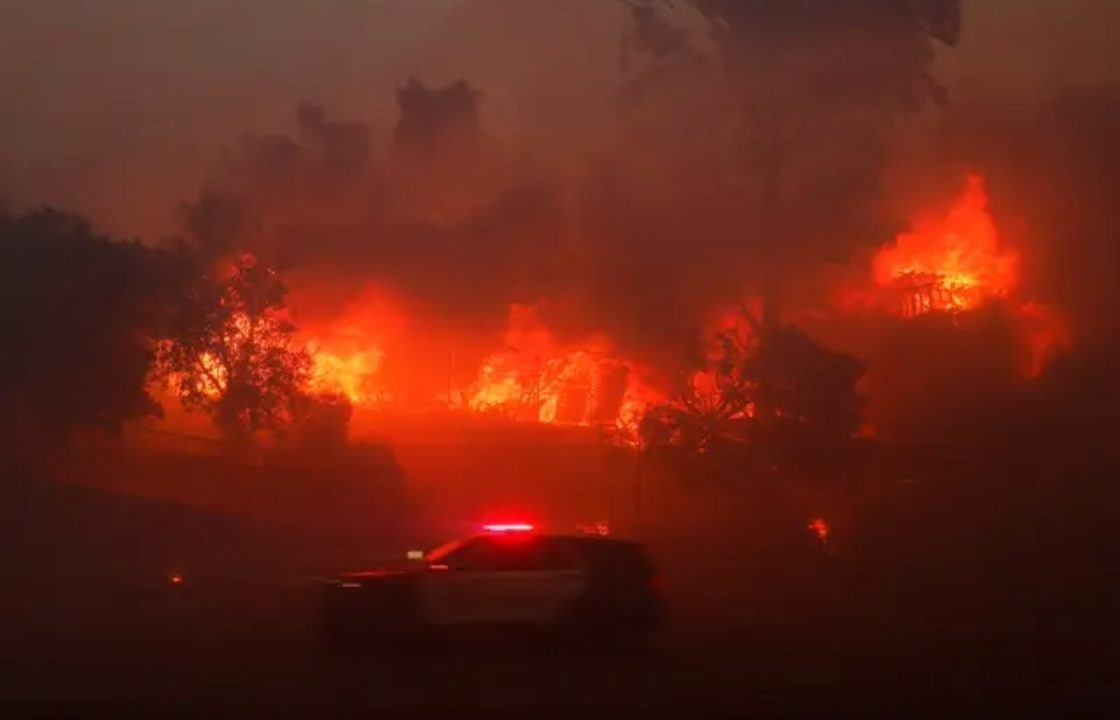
[
  {"x": 574, "y": 282},
  {"x": 950, "y": 264}
]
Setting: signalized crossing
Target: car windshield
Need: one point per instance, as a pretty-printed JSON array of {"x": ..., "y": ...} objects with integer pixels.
[
  {"x": 503, "y": 553},
  {"x": 441, "y": 553}
]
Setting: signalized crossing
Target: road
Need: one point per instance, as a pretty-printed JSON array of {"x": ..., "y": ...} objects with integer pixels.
[{"x": 251, "y": 650}]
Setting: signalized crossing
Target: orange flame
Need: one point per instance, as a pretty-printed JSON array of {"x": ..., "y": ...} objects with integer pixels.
[
  {"x": 537, "y": 378},
  {"x": 955, "y": 263},
  {"x": 949, "y": 264},
  {"x": 350, "y": 374},
  {"x": 348, "y": 350}
]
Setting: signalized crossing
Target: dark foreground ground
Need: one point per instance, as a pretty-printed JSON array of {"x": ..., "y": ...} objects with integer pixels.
[
  {"x": 945, "y": 603},
  {"x": 252, "y": 651}
]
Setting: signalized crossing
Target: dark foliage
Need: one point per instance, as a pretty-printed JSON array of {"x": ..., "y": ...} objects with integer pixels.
[
  {"x": 758, "y": 382},
  {"x": 76, "y": 309}
]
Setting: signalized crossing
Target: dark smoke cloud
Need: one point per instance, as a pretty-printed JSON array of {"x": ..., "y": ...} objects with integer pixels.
[
  {"x": 632, "y": 166},
  {"x": 733, "y": 163}
]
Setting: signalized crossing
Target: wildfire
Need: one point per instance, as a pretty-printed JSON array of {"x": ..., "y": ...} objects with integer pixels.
[
  {"x": 956, "y": 262},
  {"x": 536, "y": 378},
  {"x": 210, "y": 380},
  {"x": 348, "y": 349},
  {"x": 949, "y": 264},
  {"x": 533, "y": 378},
  {"x": 350, "y": 374}
]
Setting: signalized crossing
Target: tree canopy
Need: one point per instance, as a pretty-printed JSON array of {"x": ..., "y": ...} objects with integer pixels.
[
  {"x": 229, "y": 350},
  {"x": 76, "y": 312},
  {"x": 752, "y": 380}
]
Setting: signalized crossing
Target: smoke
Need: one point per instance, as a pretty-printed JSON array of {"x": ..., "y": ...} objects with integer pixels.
[
  {"x": 628, "y": 168},
  {"x": 725, "y": 154}
]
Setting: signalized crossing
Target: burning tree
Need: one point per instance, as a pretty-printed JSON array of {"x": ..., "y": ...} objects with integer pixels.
[
  {"x": 714, "y": 403},
  {"x": 230, "y": 351}
]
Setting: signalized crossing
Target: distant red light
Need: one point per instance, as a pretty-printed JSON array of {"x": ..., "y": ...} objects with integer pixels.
[
  {"x": 820, "y": 528},
  {"x": 176, "y": 579},
  {"x": 600, "y": 528},
  {"x": 509, "y": 527}
]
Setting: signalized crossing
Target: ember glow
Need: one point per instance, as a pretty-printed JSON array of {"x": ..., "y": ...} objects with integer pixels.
[{"x": 819, "y": 527}]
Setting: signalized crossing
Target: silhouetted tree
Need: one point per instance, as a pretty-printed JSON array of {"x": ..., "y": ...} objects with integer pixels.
[
  {"x": 714, "y": 404},
  {"x": 76, "y": 312},
  {"x": 229, "y": 351},
  {"x": 723, "y": 404}
]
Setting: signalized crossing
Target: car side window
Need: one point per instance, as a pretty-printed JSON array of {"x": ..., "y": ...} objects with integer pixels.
[
  {"x": 466, "y": 556},
  {"x": 556, "y": 555},
  {"x": 510, "y": 554}
]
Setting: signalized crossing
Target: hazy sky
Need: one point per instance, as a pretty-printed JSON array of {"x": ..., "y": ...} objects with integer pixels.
[{"x": 95, "y": 94}]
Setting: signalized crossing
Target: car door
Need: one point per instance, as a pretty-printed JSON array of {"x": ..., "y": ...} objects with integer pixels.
[
  {"x": 445, "y": 587},
  {"x": 549, "y": 578},
  {"x": 504, "y": 579}
]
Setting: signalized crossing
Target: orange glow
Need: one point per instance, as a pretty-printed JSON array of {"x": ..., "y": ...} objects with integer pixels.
[
  {"x": 352, "y": 375},
  {"x": 348, "y": 350},
  {"x": 536, "y": 378},
  {"x": 951, "y": 263},
  {"x": 820, "y": 528},
  {"x": 1046, "y": 336},
  {"x": 214, "y": 375},
  {"x": 211, "y": 376}
]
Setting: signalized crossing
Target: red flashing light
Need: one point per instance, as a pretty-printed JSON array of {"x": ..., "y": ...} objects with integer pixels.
[
  {"x": 820, "y": 528},
  {"x": 176, "y": 579},
  {"x": 509, "y": 527}
]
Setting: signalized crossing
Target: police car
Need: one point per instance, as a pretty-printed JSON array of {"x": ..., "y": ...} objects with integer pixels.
[{"x": 509, "y": 575}]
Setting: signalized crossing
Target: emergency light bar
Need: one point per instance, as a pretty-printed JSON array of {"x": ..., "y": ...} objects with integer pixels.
[{"x": 509, "y": 527}]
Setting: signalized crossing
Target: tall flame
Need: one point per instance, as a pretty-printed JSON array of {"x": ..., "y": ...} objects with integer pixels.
[
  {"x": 955, "y": 263},
  {"x": 950, "y": 264},
  {"x": 540, "y": 379}
]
